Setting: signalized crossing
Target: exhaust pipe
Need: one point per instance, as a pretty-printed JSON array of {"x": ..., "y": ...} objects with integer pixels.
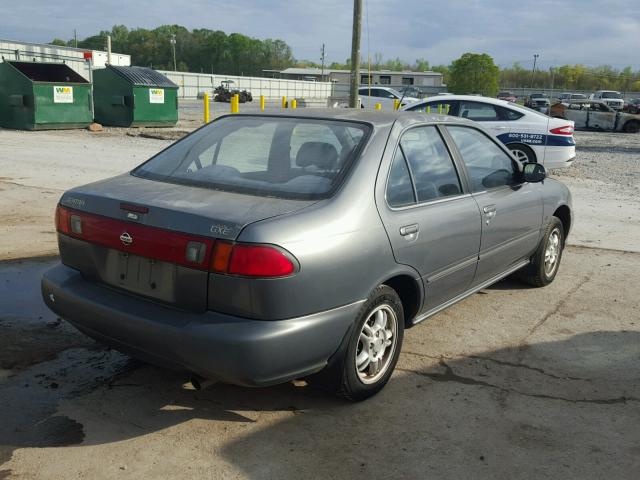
[{"x": 199, "y": 383}]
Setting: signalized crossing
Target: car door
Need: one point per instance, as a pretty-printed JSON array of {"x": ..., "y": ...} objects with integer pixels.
[
  {"x": 601, "y": 117},
  {"x": 432, "y": 222},
  {"x": 511, "y": 210}
]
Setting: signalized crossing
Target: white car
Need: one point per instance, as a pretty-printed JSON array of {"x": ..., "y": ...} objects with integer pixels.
[
  {"x": 612, "y": 98},
  {"x": 385, "y": 96},
  {"x": 531, "y": 136}
]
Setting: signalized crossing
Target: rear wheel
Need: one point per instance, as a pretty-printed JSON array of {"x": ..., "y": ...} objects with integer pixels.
[
  {"x": 545, "y": 262},
  {"x": 366, "y": 361},
  {"x": 522, "y": 153}
]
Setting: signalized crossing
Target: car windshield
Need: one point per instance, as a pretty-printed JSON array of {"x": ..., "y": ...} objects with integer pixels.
[
  {"x": 538, "y": 95},
  {"x": 270, "y": 156},
  {"x": 611, "y": 95}
]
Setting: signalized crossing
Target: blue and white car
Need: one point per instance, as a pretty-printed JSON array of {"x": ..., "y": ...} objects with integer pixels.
[{"x": 531, "y": 136}]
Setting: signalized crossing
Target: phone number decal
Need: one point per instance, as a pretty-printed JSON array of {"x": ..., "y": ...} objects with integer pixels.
[{"x": 533, "y": 138}]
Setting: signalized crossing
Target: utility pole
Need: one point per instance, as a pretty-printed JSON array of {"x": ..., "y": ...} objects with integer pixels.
[
  {"x": 75, "y": 38},
  {"x": 355, "y": 53},
  {"x": 535, "y": 59},
  {"x": 173, "y": 48},
  {"x": 322, "y": 59}
]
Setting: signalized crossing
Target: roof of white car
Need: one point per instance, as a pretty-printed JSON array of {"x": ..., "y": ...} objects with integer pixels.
[{"x": 472, "y": 98}]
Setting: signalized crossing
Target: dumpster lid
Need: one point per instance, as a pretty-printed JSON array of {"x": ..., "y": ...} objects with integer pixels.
[
  {"x": 48, "y": 72},
  {"x": 143, "y": 76}
]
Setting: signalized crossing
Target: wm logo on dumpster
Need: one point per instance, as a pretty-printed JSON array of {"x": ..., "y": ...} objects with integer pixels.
[{"x": 62, "y": 94}]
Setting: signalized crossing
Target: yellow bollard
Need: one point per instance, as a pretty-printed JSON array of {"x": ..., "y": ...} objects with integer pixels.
[
  {"x": 440, "y": 108},
  {"x": 284, "y": 102},
  {"x": 235, "y": 107},
  {"x": 378, "y": 106},
  {"x": 396, "y": 104},
  {"x": 205, "y": 101},
  {"x": 428, "y": 108},
  {"x": 262, "y": 103},
  {"x": 294, "y": 104},
  {"x": 446, "y": 110}
]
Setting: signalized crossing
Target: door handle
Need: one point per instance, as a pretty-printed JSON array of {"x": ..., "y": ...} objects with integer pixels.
[
  {"x": 489, "y": 211},
  {"x": 409, "y": 230}
]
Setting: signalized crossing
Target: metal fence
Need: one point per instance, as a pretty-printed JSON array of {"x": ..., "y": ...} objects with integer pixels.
[{"x": 193, "y": 85}]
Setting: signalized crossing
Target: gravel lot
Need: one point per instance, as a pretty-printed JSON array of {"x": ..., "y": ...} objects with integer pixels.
[{"x": 513, "y": 382}]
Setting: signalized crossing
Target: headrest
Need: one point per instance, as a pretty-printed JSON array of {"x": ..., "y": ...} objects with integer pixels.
[{"x": 318, "y": 154}]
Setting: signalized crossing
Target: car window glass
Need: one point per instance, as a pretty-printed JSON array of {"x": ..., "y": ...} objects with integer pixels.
[
  {"x": 247, "y": 149},
  {"x": 444, "y": 108},
  {"x": 488, "y": 165},
  {"x": 431, "y": 166},
  {"x": 480, "y": 112},
  {"x": 267, "y": 156},
  {"x": 399, "y": 187},
  {"x": 508, "y": 114},
  {"x": 312, "y": 132}
]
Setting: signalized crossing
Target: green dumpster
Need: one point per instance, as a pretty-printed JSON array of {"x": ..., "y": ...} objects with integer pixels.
[
  {"x": 134, "y": 97},
  {"x": 40, "y": 96}
]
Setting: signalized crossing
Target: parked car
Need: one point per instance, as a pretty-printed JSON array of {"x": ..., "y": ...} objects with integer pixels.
[
  {"x": 569, "y": 97},
  {"x": 538, "y": 101},
  {"x": 632, "y": 106},
  {"x": 596, "y": 115},
  {"x": 530, "y": 135},
  {"x": 507, "y": 96},
  {"x": 385, "y": 96},
  {"x": 612, "y": 98},
  {"x": 265, "y": 248}
]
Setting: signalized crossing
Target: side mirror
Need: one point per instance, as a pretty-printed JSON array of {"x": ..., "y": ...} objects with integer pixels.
[{"x": 533, "y": 173}]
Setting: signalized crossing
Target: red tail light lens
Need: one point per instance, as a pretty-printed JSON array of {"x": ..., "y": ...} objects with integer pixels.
[
  {"x": 259, "y": 261},
  {"x": 565, "y": 130},
  {"x": 63, "y": 220},
  {"x": 249, "y": 260}
]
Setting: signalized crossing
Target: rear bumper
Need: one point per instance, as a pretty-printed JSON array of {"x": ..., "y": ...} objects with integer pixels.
[
  {"x": 558, "y": 157},
  {"x": 216, "y": 346}
]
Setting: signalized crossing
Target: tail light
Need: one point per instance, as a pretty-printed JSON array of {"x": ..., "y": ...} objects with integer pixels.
[
  {"x": 251, "y": 260},
  {"x": 564, "y": 130},
  {"x": 219, "y": 256}
]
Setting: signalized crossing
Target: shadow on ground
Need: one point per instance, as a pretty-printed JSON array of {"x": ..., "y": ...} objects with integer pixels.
[{"x": 568, "y": 408}]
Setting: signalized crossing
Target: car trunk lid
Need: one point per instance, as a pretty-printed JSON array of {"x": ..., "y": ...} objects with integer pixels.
[{"x": 156, "y": 239}]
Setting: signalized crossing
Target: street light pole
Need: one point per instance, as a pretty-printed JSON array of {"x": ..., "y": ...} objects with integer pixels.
[
  {"x": 173, "y": 47},
  {"x": 535, "y": 59},
  {"x": 355, "y": 53}
]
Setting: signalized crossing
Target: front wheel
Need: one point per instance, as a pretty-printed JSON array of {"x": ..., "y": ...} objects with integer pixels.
[
  {"x": 545, "y": 262},
  {"x": 632, "y": 127}
]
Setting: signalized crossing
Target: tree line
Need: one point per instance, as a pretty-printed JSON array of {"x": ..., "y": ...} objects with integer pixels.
[
  {"x": 198, "y": 50},
  {"x": 214, "y": 51}
]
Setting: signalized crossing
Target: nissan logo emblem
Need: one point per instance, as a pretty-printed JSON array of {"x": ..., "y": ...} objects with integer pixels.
[{"x": 126, "y": 238}]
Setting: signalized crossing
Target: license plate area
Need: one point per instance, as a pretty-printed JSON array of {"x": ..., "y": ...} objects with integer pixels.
[{"x": 143, "y": 276}]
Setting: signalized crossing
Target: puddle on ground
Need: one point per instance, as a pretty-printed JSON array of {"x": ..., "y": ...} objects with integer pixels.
[{"x": 43, "y": 360}]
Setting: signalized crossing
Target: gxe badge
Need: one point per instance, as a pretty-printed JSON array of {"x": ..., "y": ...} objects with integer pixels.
[{"x": 126, "y": 239}]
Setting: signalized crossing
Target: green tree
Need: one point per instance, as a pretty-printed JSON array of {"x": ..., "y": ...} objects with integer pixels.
[
  {"x": 474, "y": 73},
  {"x": 58, "y": 42}
]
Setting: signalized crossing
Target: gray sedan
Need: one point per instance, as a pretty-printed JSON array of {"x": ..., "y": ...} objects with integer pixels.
[{"x": 265, "y": 248}]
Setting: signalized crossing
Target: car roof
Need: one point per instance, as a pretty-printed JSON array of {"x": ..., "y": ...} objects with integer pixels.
[
  {"x": 471, "y": 98},
  {"x": 377, "y": 118}
]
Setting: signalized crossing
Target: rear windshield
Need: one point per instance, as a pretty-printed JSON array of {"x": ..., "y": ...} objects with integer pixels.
[{"x": 269, "y": 156}]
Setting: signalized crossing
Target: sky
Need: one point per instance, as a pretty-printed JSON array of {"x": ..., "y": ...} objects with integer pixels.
[{"x": 561, "y": 32}]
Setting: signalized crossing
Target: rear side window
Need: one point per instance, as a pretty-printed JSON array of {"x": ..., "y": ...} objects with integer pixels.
[
  {"x": 268, "y": 156},
  {"x": 399, "y": 186},
  {"x": 479, "y": 112},
  {"x": 487, "y": 164}
]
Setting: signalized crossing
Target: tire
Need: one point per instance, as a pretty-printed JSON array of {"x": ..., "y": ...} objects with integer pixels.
[
  {"x": 540, "y": 272},
  {"x": 342, "y": 376},
  {"x": 632, "y": 126},
  {"x": 522, "y": 153}
]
